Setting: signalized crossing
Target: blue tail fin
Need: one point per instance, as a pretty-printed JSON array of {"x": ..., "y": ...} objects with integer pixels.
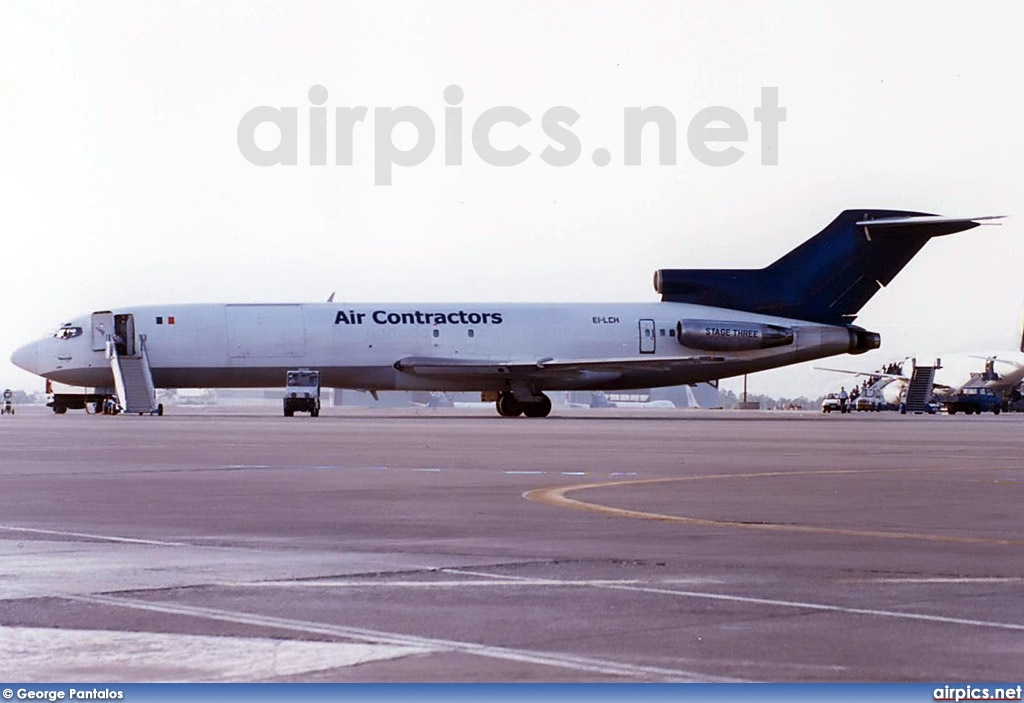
[{"x": 828, "y": 278}]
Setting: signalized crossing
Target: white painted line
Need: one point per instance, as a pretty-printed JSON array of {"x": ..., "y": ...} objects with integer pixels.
[
  {"x": 85, "y": 535},
  {"x": 461, "y": 583},
  {"x": 565, "y": 661},
  {"x": 594, "y": 583},
  {"x": 484, "y": 574},
  {"x": 941, "y": 579},
  {"x": 826, "y": 607},
  {"x": 791, "y": 604}
]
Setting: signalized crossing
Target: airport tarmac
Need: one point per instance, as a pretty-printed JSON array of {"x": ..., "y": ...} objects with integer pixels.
[{"x": 231, "y": 544}]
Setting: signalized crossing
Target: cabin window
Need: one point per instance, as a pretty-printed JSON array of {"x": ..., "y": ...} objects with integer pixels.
[
  {"x": 437, "y": 333},
  {"x": 471, "y": 333}
]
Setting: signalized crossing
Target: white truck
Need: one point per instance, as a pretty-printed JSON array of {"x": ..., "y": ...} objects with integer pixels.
[{"x": 302, "y": 392}]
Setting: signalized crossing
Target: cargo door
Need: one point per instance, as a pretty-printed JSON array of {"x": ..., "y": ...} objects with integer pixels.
[{"x": 265, "y": 331}]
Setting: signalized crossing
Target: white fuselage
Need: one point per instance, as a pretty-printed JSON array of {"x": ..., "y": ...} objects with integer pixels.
[{"x": 357, "y": 345}]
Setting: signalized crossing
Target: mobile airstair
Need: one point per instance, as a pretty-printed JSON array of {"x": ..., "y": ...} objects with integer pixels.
[
  {"x": 919, "y": 391},
  {"x": 133, "y": 380}
]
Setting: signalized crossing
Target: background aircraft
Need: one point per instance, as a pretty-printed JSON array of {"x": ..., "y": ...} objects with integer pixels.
[
  {"x": 1003, "y": 381},
  {"x": 889, "y": 384}
]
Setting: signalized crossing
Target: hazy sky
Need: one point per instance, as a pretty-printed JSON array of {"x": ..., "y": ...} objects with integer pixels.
[{"x": 122, "y": 182}]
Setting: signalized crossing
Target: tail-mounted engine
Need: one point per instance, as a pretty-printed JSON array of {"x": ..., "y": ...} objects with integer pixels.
[
  {"x": 720, "y": 335},
  {"x": 861, "y": 340}
]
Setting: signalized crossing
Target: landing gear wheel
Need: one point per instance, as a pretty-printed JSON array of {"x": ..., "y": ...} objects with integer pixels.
[
  {"x": 160, "y": 410},
  {"x": 508, "y": 406},
  {"x": 539, "y": 408}
]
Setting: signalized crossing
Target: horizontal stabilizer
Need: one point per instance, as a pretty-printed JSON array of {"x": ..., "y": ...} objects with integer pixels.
[{"x": 929, "y": 220}]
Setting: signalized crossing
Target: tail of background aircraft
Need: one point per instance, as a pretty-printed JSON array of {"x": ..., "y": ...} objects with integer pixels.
[
  {"x": 828, "y": 278},
  {"x": 1022, "y": 335}
]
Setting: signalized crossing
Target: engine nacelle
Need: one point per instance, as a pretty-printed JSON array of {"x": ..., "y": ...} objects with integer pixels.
[
  {"x": 861, "y": 340},
  {"x": 722, "y": 335}
]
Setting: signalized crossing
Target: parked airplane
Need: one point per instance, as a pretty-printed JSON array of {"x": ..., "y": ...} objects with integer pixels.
[
  {"x": 631, "y": 401},
  {"x": 710, "y": 324},
  {"x": 1003, "y": 384},
  {"x": 888, "y": 385},
  {"x": 892, "y": 385}
]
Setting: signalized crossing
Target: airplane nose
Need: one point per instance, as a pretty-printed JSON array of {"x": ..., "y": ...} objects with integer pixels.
[{"x": 27, "y": 357}]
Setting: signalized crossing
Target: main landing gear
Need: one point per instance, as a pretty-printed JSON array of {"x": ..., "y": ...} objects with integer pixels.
[{"x": 510, "y": 406}]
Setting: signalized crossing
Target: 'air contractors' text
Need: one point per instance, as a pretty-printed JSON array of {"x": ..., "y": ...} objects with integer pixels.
[{"x": 418, "y": 317}]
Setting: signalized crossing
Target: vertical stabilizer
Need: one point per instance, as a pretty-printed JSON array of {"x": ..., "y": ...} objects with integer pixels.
[{"x": 826, "y": 279}]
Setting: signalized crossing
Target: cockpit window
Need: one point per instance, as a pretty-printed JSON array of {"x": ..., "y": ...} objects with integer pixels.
[{"x": 67, "y": 331}]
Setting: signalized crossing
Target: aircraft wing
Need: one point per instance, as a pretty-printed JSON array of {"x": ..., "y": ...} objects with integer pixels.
[
  {"x": 876, "y": 374},
  {"x": 546, "y": 368}
]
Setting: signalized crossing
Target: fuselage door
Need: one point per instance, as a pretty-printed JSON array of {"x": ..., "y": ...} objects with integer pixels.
[
  {"x": 102, "y": 327},
  {"x": 647, "y": 337}
]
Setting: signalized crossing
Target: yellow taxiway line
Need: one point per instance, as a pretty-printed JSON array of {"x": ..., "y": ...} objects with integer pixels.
[{"x": 558, "y": 496}]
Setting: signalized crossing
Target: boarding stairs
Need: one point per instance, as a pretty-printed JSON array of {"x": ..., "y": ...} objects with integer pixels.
[
  {"x": 133, "y": 379},
  {"x": 919, "y": 392}
]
